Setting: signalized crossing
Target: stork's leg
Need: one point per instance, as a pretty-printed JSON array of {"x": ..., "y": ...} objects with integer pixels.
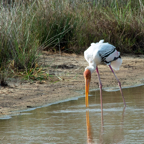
[
  {"x": 118, "y": 84},
  {"x": 100, "y": 86}
]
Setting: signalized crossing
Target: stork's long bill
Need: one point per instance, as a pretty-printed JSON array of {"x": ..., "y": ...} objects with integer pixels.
[
  {"x": 87, "y": 76},
  {"x": 87, "y": 83}
]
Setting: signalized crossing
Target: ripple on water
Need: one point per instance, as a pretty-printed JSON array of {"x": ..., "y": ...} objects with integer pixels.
[{"x": 70, "y": 121}]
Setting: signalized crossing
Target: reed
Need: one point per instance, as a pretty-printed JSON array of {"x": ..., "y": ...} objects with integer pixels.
[{"x": 26, "y": 27}]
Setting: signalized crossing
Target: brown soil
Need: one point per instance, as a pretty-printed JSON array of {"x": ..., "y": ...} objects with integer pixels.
[{"x": 67, "y": 81}]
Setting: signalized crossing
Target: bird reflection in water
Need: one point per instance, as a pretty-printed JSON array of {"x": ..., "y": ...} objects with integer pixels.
[
  {"x": 90, "y": 137},
  {"x": 89, "y": 130}
]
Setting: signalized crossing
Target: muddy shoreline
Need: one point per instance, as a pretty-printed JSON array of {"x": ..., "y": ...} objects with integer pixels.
[{"x": 68, "y": 81}]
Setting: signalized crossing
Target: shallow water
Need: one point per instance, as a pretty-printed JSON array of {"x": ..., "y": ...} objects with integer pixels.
[{"x": 72, "y": 122}]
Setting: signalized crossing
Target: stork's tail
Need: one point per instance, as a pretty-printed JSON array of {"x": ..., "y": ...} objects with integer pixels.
[
  {"x": 116, "y": 64},
  {"x": 101, "y": 41},
  {"x": 93, "y": 44}
]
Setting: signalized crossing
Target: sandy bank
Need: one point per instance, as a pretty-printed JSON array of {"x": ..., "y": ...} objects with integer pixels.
[{"x": 68, "y": 81}]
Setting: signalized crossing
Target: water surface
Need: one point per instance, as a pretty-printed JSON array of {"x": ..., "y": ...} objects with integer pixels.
[{"x": 72, "y": 122}]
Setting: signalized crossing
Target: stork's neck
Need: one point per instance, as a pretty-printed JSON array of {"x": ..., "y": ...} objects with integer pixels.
[{"x": 92, "y": 68}]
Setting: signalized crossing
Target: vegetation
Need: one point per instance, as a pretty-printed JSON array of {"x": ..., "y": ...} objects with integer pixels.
[{"x": 27, "y": 27}]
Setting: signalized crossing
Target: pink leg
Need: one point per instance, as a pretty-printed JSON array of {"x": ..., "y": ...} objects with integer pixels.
[
  {"x": 118, "y": 84},
  {"x": 100, "y": 86}
]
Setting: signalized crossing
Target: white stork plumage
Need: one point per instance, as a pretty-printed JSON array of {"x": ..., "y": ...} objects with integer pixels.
[{"x": 96, "y": 54}]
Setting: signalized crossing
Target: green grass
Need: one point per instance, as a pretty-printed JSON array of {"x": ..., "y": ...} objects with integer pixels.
[{"x": 69, "y": 26}]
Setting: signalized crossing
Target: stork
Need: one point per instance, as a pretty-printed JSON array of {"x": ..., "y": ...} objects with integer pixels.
[{"x": 96, "y": 54}]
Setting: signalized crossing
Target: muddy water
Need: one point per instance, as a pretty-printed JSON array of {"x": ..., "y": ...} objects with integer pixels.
[{"x": 72, "y": 122}]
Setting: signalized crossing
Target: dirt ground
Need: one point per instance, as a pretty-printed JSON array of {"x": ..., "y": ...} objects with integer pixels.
[{"x": 67, "y": 81}]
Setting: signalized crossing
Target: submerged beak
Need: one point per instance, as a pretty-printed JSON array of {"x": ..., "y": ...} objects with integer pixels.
[{"x": 87, "y": 83}]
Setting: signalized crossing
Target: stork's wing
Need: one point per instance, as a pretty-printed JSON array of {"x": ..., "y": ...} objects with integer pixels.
[
  {"x": 106, "y": 50},
  {"x": 99, "y": 52}
]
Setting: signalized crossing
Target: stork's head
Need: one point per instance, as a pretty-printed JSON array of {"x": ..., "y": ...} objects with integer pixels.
[{"x": 87, "y": 76}]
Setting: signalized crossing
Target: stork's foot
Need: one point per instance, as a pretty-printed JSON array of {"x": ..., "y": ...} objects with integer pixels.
[
  {"x": 100, "y": 86},
  {"x": 121, "y": 93}
]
